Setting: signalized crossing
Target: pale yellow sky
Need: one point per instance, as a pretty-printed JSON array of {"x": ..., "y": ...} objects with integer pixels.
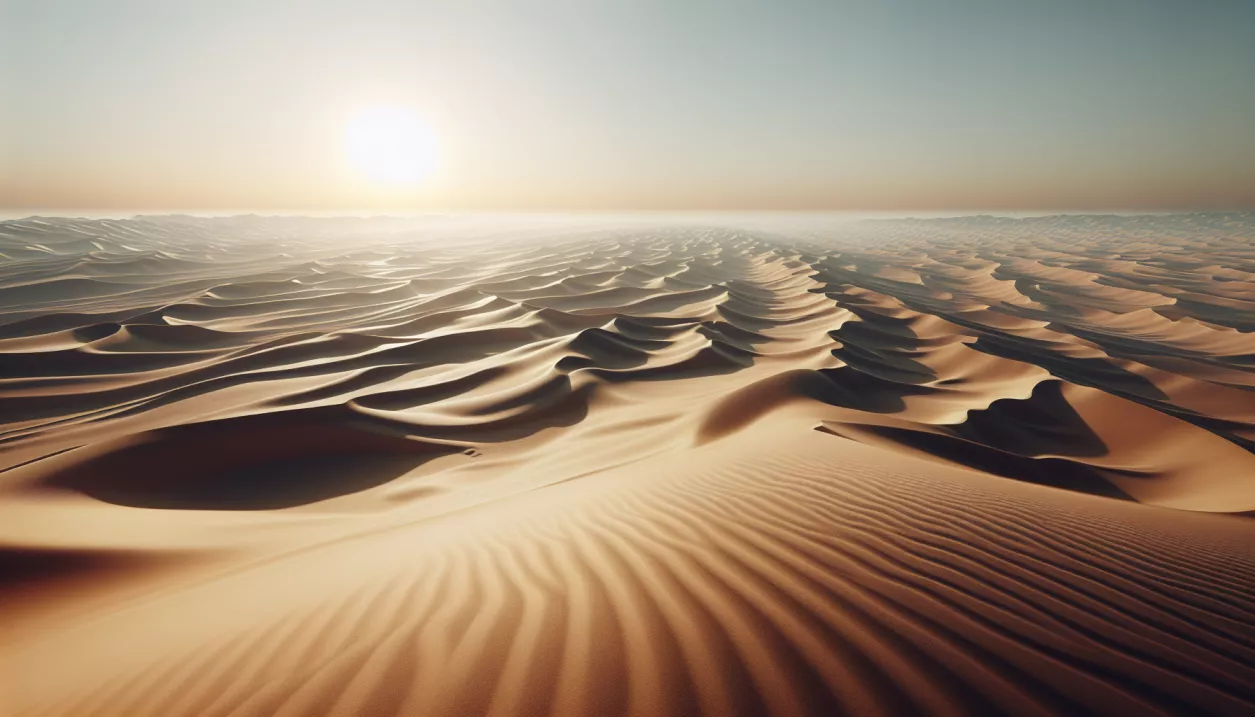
[{"x": 562, "y": 104}]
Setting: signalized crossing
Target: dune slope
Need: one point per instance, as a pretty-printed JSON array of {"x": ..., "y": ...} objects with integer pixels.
[{"x": 288, "y": 466}]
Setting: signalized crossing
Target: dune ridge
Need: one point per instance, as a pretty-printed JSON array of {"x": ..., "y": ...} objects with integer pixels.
[{"x": 454, "y": 465}]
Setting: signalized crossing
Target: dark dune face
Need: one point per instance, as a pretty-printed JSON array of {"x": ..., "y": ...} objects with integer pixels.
[{"x": 287, "y": 466}]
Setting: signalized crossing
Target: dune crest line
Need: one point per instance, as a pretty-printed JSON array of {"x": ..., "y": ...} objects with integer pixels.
[{"x": 458, "y": 465}]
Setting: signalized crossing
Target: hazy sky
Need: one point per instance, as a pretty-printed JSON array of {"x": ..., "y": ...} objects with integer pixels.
[{"x": 545, "y": 104}]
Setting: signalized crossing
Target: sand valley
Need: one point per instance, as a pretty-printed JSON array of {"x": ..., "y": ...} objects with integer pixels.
[{"x": 598, "y": 465}]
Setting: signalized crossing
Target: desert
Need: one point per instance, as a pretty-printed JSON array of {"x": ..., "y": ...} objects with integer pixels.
[{"x": 640, "y": 464}]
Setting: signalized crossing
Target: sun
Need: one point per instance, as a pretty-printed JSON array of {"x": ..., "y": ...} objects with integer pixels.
[{"x": 390, "y": 145}]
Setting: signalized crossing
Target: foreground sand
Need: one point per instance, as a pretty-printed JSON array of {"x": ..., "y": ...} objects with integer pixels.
[{"x": 460, "y": 466}]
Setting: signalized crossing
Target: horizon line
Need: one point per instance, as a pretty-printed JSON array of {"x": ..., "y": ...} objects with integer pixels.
[{"x": 84, "y": 213}]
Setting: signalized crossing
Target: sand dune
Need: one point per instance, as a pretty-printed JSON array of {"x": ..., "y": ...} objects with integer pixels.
[{"x": 290, "y": 466}]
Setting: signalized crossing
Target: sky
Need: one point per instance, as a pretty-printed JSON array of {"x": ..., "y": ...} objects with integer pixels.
[{"x": 636, "y": 104}]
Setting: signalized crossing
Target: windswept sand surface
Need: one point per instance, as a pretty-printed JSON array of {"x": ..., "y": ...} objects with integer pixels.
[{"x": 456, "y": 466}]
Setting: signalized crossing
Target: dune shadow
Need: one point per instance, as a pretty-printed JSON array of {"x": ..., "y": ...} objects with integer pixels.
[
  {"x": 30, "y": 573},
  {"x": 849, "y": 387},
  {"x": 1040, "y": 439},
  {"x": 265, "y": 486},
  {"x": 1093, "y": 372},
  {"x": 264, "y": 462},
  {"x": 1048, "y": 471}
]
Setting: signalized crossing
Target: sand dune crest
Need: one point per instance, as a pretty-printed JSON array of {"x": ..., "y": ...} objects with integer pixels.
[{"x": 287, "y": 466}]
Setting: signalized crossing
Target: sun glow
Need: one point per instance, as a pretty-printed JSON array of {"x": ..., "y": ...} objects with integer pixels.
[{"x": 390, "y": 145}]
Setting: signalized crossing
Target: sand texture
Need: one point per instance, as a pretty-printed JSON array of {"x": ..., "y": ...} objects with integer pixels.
[{"x": 526, "y": 466}]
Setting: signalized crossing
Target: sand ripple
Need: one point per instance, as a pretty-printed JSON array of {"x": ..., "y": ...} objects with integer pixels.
[{"x": 285, "y": 466}]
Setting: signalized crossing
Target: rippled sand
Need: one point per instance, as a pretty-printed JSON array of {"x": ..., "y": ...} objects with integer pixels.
[{"x": 287, "y": 466}]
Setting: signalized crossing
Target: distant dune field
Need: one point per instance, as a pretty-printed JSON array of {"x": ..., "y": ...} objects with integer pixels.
[{"x": 457, "y": 465}]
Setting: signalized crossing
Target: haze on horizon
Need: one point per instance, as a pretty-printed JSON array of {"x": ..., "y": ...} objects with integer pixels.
[{"x": 652, "y": 104}]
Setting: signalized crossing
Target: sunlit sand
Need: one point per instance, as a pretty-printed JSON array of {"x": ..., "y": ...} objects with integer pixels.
[{"x": 454, "y": 466}]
